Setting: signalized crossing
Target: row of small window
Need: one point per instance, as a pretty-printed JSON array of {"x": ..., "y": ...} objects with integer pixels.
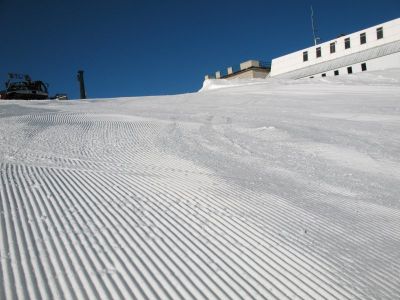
[
  {"x": 349, "y": 70},
  {"x": 363, "y": 40}
]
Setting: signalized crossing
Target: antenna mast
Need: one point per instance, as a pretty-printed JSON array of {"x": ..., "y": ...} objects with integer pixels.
[{"x": 314, "y": 28}]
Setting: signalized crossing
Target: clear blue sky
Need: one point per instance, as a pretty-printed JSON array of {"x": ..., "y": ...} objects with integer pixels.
[{"x": 132, "y": 48}]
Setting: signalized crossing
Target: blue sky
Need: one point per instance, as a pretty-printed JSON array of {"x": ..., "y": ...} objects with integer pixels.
[{"x": 134, "y": 48}]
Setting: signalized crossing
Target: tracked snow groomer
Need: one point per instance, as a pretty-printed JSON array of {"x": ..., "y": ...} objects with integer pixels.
[{"x": 22, "y": 87}]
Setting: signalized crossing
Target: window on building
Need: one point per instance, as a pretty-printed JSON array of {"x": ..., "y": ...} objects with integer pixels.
[
  {"x": 336, "y": 72},
  {"x": 318, "y": 52},
  {"x": 333, "y": 47},
  {"x": 379, "y": 33},
  {"x": 350, "y": 70},
  {"x": 363, "y": 38},
  {"x": 305, "y": 56},
  {"x": 323, "y": 75},
  {"x": 346, "y": 43},
  {"x": 364, "y": 67}
]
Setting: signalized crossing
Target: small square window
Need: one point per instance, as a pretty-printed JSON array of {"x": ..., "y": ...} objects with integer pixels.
[
  {"x": 363, "y": 38},
  {"x": 347, "y": 43},
  {"x": 305, "y": 56},
  {"x": 323, "y": 75},
  {"x": 333, "y": 47},
  {"x": 364, "y": 67},
  {"x": 379, "y": 33},
  {"x": 318, "y": 52},
  {"x": 349, "y": 70},
  {"x": 336, "y": 72}
]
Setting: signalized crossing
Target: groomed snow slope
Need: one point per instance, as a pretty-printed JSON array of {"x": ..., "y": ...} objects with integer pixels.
[{"x": 265, "y": 189}]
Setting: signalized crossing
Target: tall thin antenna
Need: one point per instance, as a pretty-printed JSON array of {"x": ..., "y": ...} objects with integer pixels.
[{"x": 314, "y": 28}]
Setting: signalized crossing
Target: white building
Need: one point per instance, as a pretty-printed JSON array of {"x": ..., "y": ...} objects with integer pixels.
[{"x": 375, "y": 48}]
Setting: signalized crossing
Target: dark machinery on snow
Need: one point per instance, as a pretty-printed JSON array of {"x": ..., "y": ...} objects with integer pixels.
[
  {"x": 22, "y": 87},
  {"x": 81, "y": 84}
]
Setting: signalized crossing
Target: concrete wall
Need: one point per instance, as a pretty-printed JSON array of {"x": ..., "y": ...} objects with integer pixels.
[
  {"x": 248, "y": 64},
  {"x": 294, "y": 61},
  {"x": 248, "y": 69},
  {"x": 250, "y": 74}
]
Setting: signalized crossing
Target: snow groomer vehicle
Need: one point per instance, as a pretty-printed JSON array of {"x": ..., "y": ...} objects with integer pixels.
[{"x": 22, "y": 87}]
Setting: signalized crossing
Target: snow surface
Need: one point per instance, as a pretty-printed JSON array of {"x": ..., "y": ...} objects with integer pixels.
[{"x": 264, "y": 189}]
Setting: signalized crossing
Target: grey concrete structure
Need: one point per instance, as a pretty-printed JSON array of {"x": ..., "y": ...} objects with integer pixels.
[{"x": 247, "y": 69}]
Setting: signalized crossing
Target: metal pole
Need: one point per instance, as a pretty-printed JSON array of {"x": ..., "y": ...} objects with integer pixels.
[
  {"x": 313, "y": 27},
  {"x": 81, "y": 84}
]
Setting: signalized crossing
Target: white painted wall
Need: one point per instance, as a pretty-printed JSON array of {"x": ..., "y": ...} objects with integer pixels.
[
  {"x": 381, "y": 63},
  {"x": 294, "y": 61}
]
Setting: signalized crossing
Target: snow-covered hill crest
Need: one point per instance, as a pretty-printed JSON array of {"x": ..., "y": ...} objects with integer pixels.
[{"x": 261, "y": 189}]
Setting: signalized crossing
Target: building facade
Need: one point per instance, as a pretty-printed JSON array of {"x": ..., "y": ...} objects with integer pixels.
[
  {"x": 247, "y": 69},
  {"x": 374, "y": 48}
]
